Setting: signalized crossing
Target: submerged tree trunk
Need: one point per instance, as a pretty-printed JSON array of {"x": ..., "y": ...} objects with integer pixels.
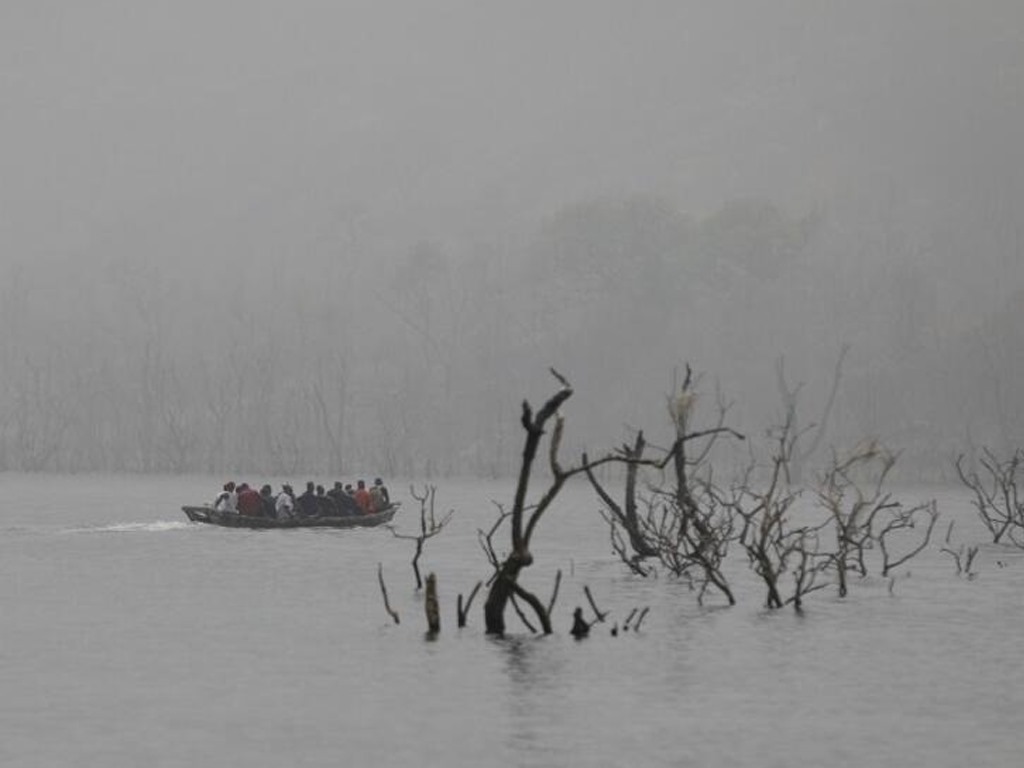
[
  {"x": 505, "y": 585},
  {"x": 503, "y": 589}
]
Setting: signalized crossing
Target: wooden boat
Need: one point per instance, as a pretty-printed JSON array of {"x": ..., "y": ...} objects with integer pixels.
[{"x": 207, "y": 514}]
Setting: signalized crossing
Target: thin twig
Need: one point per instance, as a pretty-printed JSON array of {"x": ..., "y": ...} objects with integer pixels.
[
  {"x": 554, "y": 592},
  {"x": 384, "y": 592},
  {"x": 640, "y": 618},
  {"x": 629, "y": 618},
  {"x": 522, "y": 616},
  {"x": 463, "y": 611},
  {"x": 590, "y": 598}
]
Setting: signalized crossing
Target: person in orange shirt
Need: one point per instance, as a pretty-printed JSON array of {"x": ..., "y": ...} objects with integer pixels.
[{"x": 362, "y": 497}]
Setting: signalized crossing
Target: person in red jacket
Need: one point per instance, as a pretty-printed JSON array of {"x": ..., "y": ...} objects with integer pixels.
[
  {"x": 249, "y": 502},
  {"x": 362, "y": 497}
]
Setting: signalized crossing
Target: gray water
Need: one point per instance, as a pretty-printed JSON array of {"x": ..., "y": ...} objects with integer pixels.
[{"x": 133, "y": 638}]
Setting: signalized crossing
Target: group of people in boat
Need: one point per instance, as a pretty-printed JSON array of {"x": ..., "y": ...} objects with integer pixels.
[{"x": 339, "y": 501}]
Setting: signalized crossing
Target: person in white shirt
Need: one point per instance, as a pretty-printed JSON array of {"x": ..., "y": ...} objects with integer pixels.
[
  {"x": 284, "y": 507},
  {"x": 227, "y": 500}
]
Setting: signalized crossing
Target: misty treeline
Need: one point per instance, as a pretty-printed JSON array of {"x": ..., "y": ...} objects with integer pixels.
[{"x": 356, "y": 354}]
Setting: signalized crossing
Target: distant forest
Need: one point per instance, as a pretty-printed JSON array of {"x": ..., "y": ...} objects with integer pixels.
[{"x": 353, "y": 354}]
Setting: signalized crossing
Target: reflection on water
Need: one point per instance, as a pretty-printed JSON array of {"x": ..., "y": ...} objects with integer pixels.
[{"x": 534, "y": 670}]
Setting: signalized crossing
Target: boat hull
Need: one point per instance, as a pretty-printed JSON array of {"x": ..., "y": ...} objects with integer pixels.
[{"x": 210, "y": 516}]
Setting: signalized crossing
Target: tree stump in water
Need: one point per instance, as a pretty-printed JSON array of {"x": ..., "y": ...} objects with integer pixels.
[
  {"x": 580, "y": 627},
  {"x": 431, "y": 606}
]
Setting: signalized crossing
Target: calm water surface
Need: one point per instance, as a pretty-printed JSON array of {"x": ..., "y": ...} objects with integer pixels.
[{"x": 130, "y": 637}]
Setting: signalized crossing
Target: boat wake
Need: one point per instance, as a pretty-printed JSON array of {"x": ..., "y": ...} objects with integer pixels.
[{"x": 154, "y": 527}]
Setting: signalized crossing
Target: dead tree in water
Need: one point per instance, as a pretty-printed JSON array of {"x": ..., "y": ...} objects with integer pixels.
[
  {"x": 963, "y": 556},
  {"x": 853, "y": 505},
  {"x": 775, "y": 547},
  {"x": 703, "y": 526},
  {"x": 430, "y": 526},
  {"x": 902, "y": 520},
  {"x": 686, "y": 525},
  {"x": 996, "y": 496},
  {"x": 523, "y": 518},
  {"x": 864, "y": 514}
]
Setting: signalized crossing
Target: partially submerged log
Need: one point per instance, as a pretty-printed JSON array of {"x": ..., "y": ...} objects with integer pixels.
[{"x": 430, "y": 605}]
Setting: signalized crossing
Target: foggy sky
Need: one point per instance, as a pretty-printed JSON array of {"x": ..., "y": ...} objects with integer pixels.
[
  {"x": 222, "y": 124},
  {"x": 153, "y": 153}
]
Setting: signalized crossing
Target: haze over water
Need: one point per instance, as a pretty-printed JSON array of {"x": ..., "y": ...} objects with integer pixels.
[{"x": 131, "y": 637}]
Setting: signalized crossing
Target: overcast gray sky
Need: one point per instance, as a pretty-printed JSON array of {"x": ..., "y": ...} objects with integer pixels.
[
  {"x": 299, "y": 152},
  {"x": 200, "y": 126}
]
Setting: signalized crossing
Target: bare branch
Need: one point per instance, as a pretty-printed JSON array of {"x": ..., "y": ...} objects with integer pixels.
[
  {"x": 996, "y": 496},
  {"x": 629, "y": 618},
  {"x": 463, "y": 611},
  {"x": 522, "y": 616},
  {"x": 384, "y": 591},
  {"x": 902, "y": 521},
  {"x": 554, "y": 592},
  {"x": 593, "y": 606},
  {"x": 640, "y": 618},
  {"x": 430, "y": 526}
]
